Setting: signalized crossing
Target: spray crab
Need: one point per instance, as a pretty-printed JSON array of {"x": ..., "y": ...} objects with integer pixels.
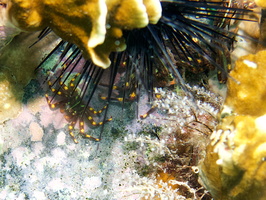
[{"x": 69, "y": 100}]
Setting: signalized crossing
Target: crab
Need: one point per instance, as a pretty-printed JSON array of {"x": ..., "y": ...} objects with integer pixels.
[{"x": 68, "y": 99}]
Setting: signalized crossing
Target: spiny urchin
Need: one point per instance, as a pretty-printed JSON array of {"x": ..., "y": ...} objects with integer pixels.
[{"x": 190, "y": 37}]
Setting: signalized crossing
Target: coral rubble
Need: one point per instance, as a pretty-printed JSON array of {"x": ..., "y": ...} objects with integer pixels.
[
  {"x": 130, "y": 162},
  {"x": 235, "y": 166}
]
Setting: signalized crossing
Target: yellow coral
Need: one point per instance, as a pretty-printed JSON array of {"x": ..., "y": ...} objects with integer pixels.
[
  {"x": 235, "y": 164},
  {"x": 95, "y": 26},
  {"x": 261, "y": 3},
  {"x": 247, "y": 93}
]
